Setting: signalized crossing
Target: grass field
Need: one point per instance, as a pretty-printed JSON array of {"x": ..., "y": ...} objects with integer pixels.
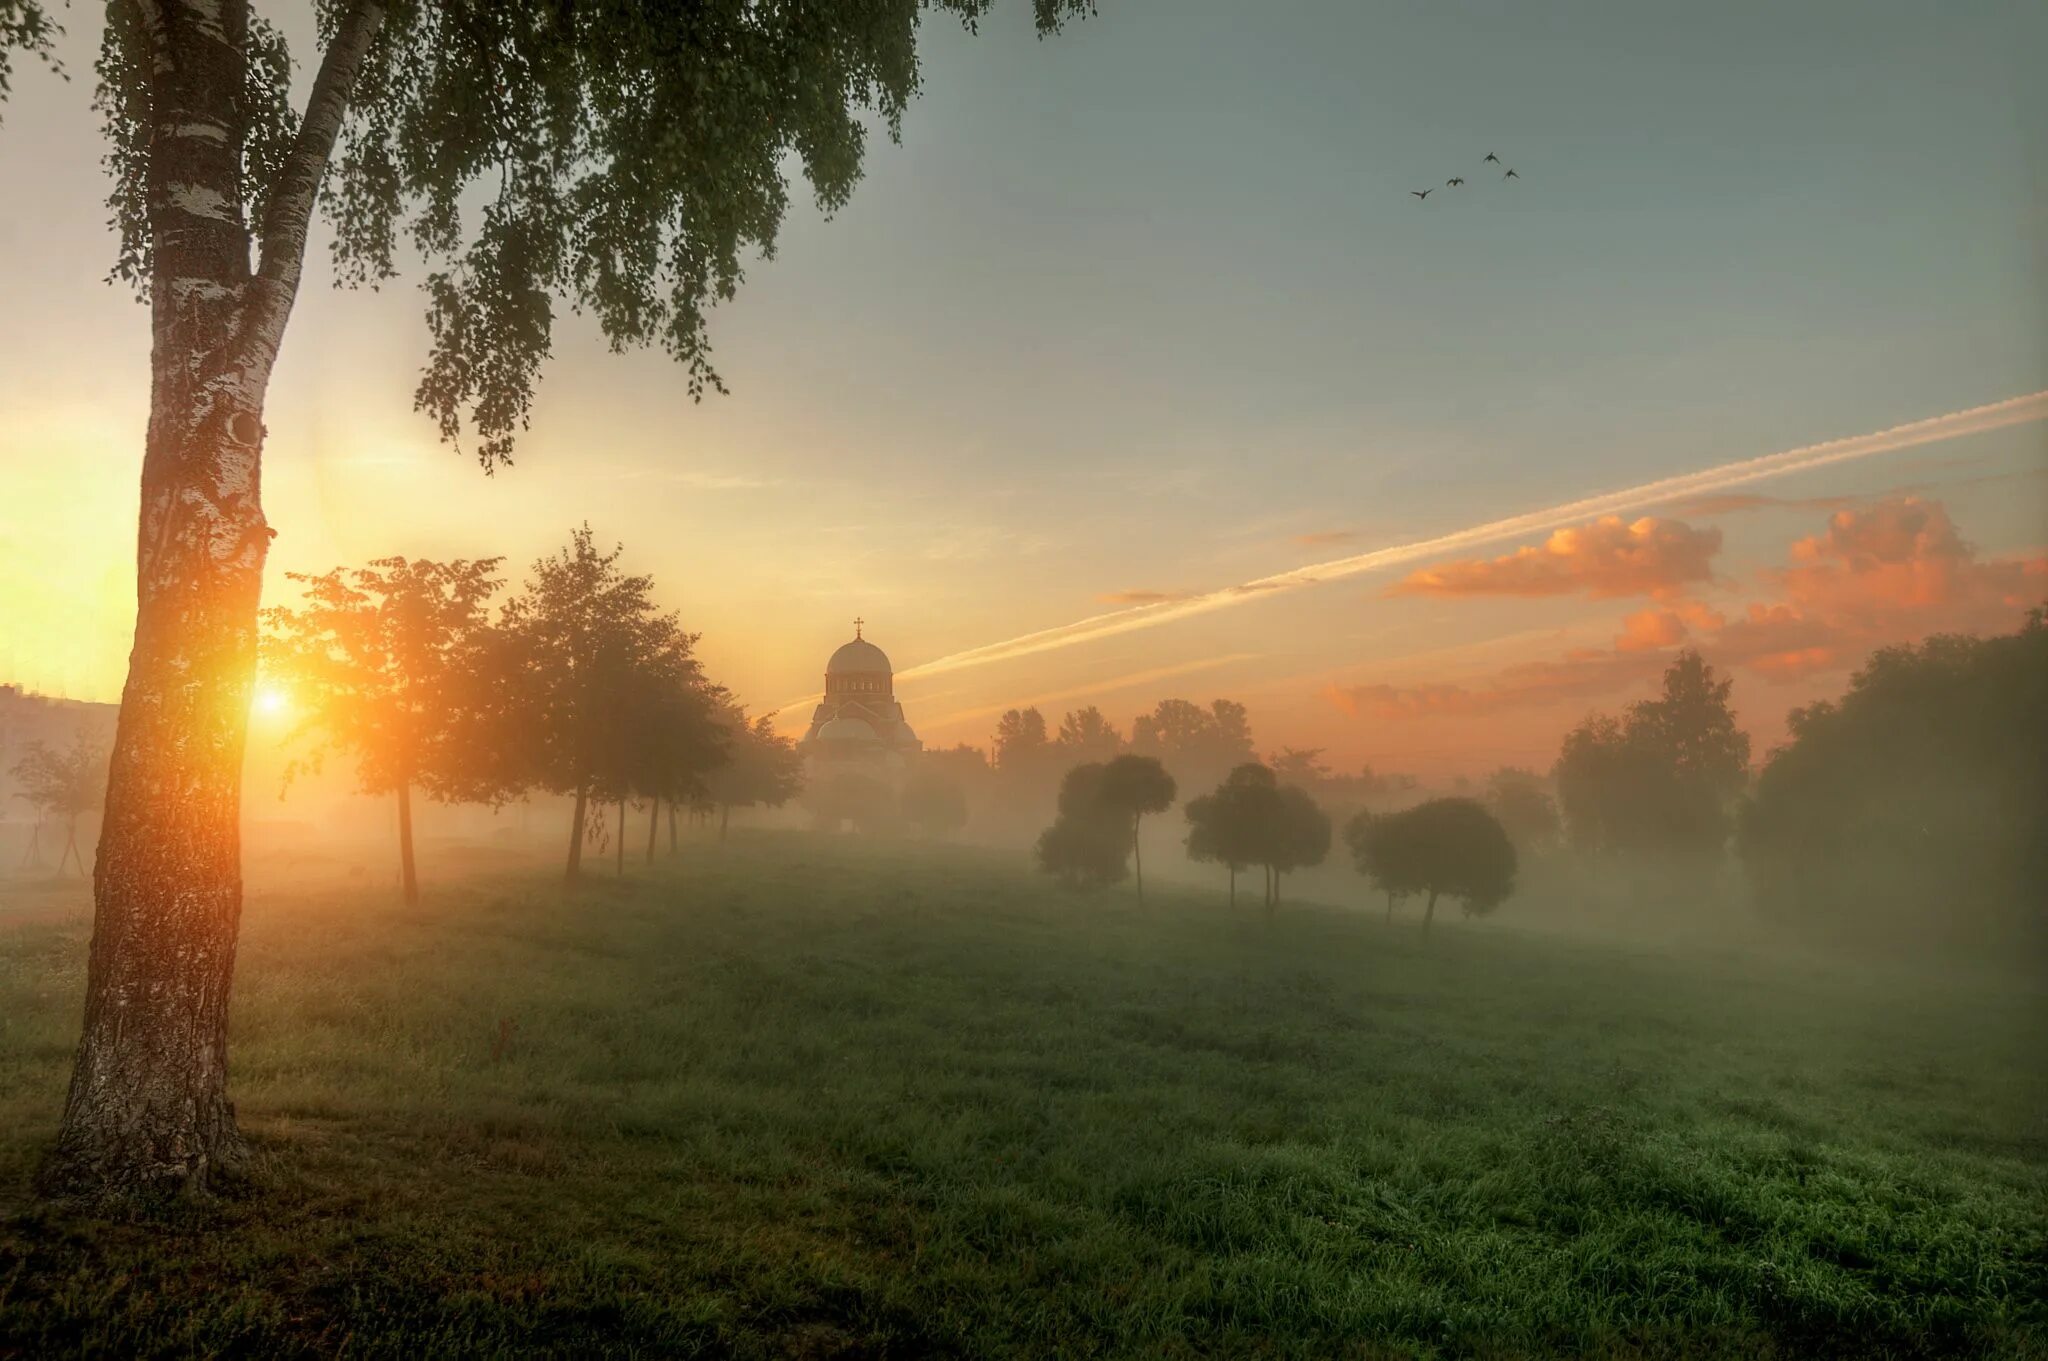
[{"x": 795, "y": 1098}]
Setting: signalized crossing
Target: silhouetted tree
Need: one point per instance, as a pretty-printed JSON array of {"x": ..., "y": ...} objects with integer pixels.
[
  {"x": 1380, "y": 853},
  {"x": 1665, "y": 780},
  {"x": 1214, "y": 836},
  {"x": 1300, "y": 833},
  {"x": 387, "y": 663},
  {"x": 1229, "y": 825},
  {"x": 1133, "y": 786},
  {"x": 587, "y": 649},
  {"x": 1912, "y": 809},
  {"x": 1088, "y": 844},
  {"x": 1085, "y": 735},
  {"x": 763, "y": 768},
  {"x": 1302, "y": 767},
  {"x": 1197, "y": 746},
  {"x": 1448, "y": 847},
  {"x": 64, "y": 784},
  {"x": 1250, "y": 819},
  {"x": 531, "y": 153},
  {"x": 1026, "y": 762},
  {"x": 670, "y": 732}
]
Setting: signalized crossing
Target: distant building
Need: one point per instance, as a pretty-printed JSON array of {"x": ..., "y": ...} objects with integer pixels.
[
  {"x": 859, "y": 744},
  {"x": 859, "y": 719}
]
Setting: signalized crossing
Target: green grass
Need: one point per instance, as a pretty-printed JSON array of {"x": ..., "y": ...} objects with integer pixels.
[{"x": 795, "y": 1098}]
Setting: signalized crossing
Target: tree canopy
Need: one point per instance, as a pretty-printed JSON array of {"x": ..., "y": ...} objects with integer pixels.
[
  {"x": 388, "y": 663},
  {"x": 1912, "y": 808},
  {"x": 1444, "y": 847},
  {"x": 1663, "y": 779},
  {"x": 1088, "y": 844}
]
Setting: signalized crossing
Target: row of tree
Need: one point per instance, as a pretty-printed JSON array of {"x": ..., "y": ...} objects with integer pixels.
[
  {"x": 581, "y": 686},
  {"x": 1446, "y": 847}
]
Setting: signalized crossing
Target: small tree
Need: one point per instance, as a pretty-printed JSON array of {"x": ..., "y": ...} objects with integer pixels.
[
  {"x": 1251, "y": 820},
  {"x": 586, "y": 648},
  {"x": 384, "y": 662},
  {"x": 1298, "y": 837},
  {"x": 1214, "y": 836},
  {"x": 63, "y": 785},
  {"x": 763, "y": 768},
  {"x": 1088, "y": 844},
  {"x": 1448, "y": 847},
  {"x": 1133, "y": 786},
  {"x": 1377, "y": 852}
]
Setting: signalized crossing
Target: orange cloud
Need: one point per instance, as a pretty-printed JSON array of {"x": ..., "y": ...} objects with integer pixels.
[
  {"x": 1904, "y": 557},
  {"x": 1606, "y": 558},
  {"x": 1665, "y": 626}
]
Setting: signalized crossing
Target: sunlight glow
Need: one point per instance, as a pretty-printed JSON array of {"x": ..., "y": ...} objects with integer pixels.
[{"x": 269, "y": 701}]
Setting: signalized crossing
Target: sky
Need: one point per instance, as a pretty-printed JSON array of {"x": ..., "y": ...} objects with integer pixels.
[{"x": 1144, "y": 317}]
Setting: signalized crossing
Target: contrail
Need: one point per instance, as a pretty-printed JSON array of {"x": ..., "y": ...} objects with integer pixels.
[{"x": 1996, "y": 416}]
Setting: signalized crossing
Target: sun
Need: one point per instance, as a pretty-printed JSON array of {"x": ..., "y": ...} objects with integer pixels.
[{"x": 269, "y": 701}]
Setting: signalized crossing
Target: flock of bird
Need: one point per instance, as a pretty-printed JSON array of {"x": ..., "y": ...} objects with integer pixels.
[{"x": 1456, "y": 180}]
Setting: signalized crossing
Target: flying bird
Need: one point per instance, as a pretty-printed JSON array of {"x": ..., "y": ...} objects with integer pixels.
[
  {"x": 1454, "y": 180},
  {"x": 1422, "y": 193},
  {"x": 1491, "y": 157},
  {"x": 1511, "y": 175}
]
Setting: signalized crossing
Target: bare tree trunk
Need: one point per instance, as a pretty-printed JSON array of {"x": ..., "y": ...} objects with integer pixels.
[
  {"x": 407, "y": 875},
  {"x": 1390, "y": 906},
  {"x": 724, "y": 819},
  {"x": 653, "y": 825},
  {"x": 1233, "y": 886},
  {"x": 1429, "y": 913},
  {"x": 148, "y": 1107},
  {"x": 619, "y": 850},
  {"x": 1138, "y": 857},
  {"x": 576, "y": 821},
  {"x": 671, "y": 827}
]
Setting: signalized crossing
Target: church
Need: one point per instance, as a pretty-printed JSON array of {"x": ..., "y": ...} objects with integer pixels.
[{"x": 859, "y": 726}]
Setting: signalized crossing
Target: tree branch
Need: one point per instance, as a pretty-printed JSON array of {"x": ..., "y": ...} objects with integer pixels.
[{"x": 288, "y": 219}]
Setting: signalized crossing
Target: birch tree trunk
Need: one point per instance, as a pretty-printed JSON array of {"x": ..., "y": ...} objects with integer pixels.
[{"x": 147, "y": 1107}]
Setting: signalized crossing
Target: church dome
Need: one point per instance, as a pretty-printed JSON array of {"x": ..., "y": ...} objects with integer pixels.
[
  {"x": 847, "y": 730},
  {"x": 859, "y": 657}
]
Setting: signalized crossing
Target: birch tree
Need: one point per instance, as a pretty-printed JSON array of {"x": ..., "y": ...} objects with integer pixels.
[{"x": 625, "y": 157}]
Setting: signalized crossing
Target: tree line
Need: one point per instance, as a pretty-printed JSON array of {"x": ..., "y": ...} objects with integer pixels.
[
  {"x": 579, "y": 685},
  {"x": 1252, "y": 819}
]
